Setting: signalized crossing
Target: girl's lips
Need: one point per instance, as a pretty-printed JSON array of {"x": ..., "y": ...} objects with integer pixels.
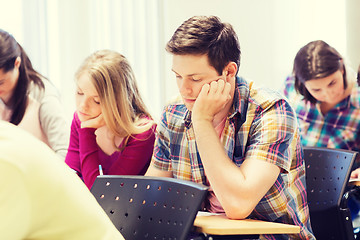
[{"x": 83, "y": 114}]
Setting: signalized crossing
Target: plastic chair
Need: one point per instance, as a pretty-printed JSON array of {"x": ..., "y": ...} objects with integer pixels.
[
  {"x": 149, "y": 207},
  {"x": 327, "y": 176}
]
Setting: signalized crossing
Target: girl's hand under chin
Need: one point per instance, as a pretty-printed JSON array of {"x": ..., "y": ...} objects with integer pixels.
[
  {"x": 106, "y": 140},
  {"x": 104, "y": 137},
  {"x": 96, "y": 122}
]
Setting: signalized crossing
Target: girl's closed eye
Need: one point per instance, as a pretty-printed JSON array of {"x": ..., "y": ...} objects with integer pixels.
[
  {"x": 97, "y": 101},
  {"x": 332, "y": 83},
  {"x": 79, "y": 92}
]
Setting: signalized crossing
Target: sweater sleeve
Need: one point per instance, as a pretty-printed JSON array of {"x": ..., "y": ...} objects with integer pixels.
[
  {"x": 72, "y": 157},
  {"x": 82, "y": 153},
  {"x": 89, "y": 156},
  {"x": 52, "y": 119},
  {"x": 135, "y": 157}
]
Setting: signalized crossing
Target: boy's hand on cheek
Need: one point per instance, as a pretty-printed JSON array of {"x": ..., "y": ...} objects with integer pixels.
[
  {"x": 355, "y": 173},
  {"x": 211, "y": 100},
  {"x": 96, "y": 122}
]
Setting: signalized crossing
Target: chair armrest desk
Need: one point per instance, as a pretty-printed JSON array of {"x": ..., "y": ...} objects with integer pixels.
[{"x": 221, "y": 225}]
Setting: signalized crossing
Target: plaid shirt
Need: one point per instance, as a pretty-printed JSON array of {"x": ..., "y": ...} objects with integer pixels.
[
  {"x": 338, "y": 128},
  {"x": 260, "y": 126}
]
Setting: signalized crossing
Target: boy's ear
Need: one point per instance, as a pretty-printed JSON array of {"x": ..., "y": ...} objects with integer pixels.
[{"x": 230, "y": 69}]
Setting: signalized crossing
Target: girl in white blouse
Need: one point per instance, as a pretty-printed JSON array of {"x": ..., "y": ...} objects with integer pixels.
[{"x": 29, "y": 100}]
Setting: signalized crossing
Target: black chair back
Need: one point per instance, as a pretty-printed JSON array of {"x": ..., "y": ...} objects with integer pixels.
[
  {"x": 149, "y": 207},
  {"x": 327, "y": 175}
]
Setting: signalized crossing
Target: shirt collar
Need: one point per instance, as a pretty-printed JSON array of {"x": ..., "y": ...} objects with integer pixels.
[
  {"x": 241, "y": 99},
  {"x": 187, "y": 119}
]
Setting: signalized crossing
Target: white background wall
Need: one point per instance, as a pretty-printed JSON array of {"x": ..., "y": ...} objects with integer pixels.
[
  {"x": 270, "y": 32},
  {"x": 59, "y": 34}
]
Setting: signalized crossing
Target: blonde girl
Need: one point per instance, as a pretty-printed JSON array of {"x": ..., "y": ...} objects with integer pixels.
[{"x": 112, "y": 132}]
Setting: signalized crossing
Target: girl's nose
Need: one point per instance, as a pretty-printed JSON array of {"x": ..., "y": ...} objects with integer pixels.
[
  {"x": 328, "y": 95},
  {"x": 84, "y": 104}
]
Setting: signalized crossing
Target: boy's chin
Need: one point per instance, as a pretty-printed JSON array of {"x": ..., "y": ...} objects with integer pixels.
[{"x": 189, "y": 106}]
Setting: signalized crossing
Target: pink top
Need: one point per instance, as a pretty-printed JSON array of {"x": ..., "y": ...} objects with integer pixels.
[
  {"x": 84, "y": 155},
  {"x": 214, "y": 204}
]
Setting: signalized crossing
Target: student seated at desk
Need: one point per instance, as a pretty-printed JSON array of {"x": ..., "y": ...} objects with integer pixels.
[
  {"x": 325, "y": 95},
  {"x": 29, "y": 100},
  {"x": 224, "y": 132},
  {"x": 111, "y": 127},
  {"x": 41, "y": 198}
]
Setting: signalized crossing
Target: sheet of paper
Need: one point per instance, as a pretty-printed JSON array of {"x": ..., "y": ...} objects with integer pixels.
[{"x": 202, "y": 213}]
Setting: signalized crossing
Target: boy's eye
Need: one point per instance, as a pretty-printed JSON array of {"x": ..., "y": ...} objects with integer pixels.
[
  {"x": 96, "y": 101},
  {"x": 79, "y": 93}
]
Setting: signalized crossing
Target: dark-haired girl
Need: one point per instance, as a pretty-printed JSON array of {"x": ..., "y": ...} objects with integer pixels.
[
  {"x": 29, "y": 100},
  {"x": 326, "y": 97}
]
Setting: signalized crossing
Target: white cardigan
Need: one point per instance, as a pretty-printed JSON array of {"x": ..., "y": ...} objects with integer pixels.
[{"x": 44, "y": 118}]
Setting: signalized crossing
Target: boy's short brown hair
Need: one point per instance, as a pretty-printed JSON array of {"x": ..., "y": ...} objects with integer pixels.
[{"x": 202, "y": 35}]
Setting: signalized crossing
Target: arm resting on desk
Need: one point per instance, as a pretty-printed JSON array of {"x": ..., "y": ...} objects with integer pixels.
[{"x": 155, "y": 172}]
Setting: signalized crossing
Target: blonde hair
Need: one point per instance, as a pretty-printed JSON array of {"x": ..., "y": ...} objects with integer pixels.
[{"x": 123, "y": 109}]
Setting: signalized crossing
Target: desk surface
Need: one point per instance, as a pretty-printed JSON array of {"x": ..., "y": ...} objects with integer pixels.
[{"x": 221, "y": 225}]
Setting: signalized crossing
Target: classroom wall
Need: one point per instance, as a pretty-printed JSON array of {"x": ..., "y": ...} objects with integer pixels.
[
  {"x": 59, "y": 34},
  {"x": 353, "y": 32},
  {"x": 270, "y": 32}
]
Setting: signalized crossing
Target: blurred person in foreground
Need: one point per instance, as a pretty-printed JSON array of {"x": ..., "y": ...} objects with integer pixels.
[{"x": 41, "y": 197}]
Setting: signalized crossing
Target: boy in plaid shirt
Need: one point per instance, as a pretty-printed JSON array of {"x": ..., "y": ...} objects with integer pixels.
[{"x": 241, "y": 141}]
